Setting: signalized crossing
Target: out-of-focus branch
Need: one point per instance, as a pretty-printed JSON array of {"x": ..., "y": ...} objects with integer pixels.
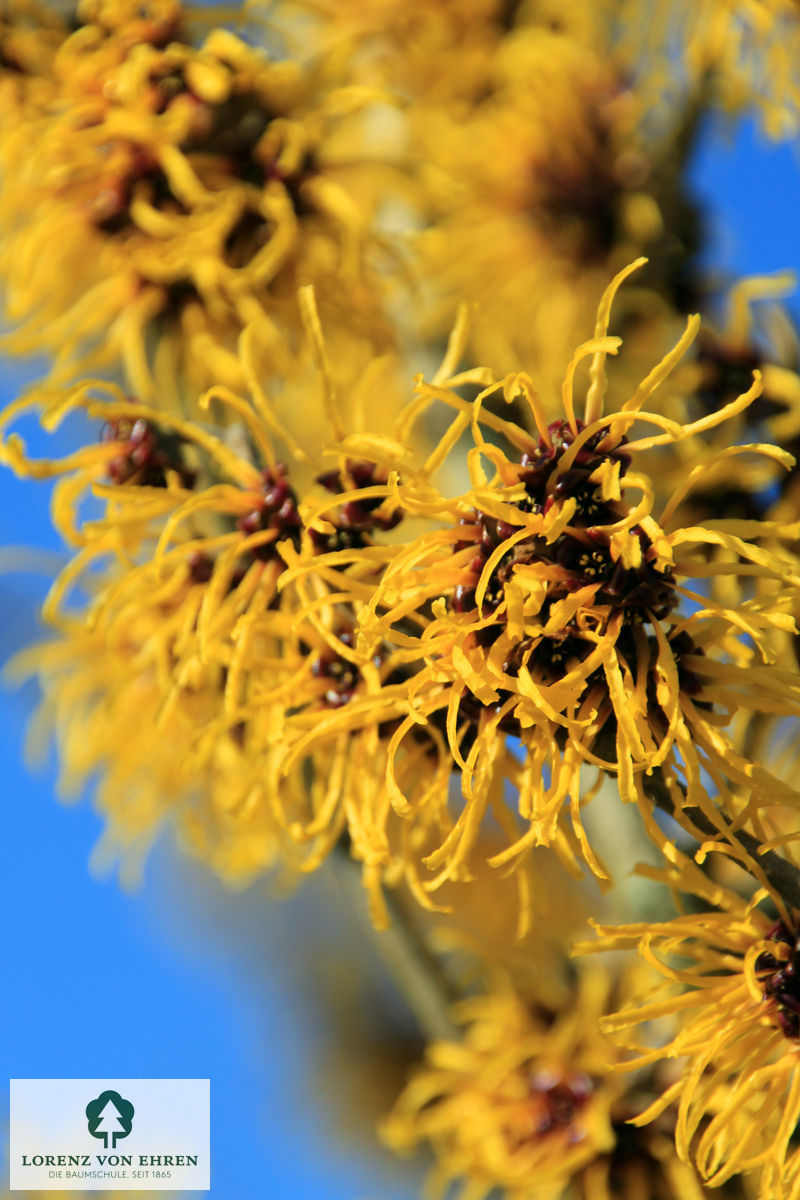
[{"x": 418, "y": 972}]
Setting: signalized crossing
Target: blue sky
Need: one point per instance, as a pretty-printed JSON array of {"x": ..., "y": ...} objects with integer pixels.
[{"x": 181, "y": 978}]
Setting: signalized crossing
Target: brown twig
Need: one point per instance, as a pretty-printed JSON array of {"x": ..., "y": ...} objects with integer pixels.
[{"x": 781, "y": 874}]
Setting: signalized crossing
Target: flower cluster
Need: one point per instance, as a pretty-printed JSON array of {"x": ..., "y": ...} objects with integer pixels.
[
  {"x": 545, "y": 613},
  {"x": 490, "y": 633}
]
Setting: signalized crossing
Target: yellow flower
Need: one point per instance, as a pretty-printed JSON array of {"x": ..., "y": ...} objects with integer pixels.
[
  {"x": 528, "y": 1102},
  {"x": 30, "y": 34},
  {"x": 539, "y": 192},
  {"x": 182, "y": 635},
  {"x": 176, "y": 192},
  {"x": 156, "y": 21},
  {"x": 106, "y": 700},
  {"x": 522, "y": 1103},
  {"x": 738, "y": 53},
  {"x": 439, "y": 51},
  {"x": 540, "y": 611},
  {"x": 725, "y": 362},
  {"x": 481, "y": 919},
  {"x": 731, "y": 987},
  {"x": 134, "y": 683}
]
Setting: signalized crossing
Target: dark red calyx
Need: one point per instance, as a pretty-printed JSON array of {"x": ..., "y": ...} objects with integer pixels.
[
  {"x": 201, "y": 567},
  {"x": 557, "y": 1100},
  {"x": 341, "y": 676},
  {"x": 538, "y": 466},
  {"x": 779, "y": 976},
  {"x": 356, "y": 518},
  {"x": 275, "y": 509},
  {"x": 146, "y": 454}
]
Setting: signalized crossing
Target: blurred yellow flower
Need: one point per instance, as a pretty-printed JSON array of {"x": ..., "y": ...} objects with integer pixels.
[
  {"x": 522, "y": 1103},
  {"x": 740, "y": 54},
  {"x": 538, "y": 193},
  {"x": 529, "y": 1103},
  {"x": 163, "y": 189},
  {"x": 30, "y": 34}
]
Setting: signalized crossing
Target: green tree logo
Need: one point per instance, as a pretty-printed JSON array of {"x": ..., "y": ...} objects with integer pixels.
[{"x": 109, "y": 1116}]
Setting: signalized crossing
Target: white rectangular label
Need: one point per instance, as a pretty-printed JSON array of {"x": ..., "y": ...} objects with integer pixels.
[{"x": 110, "y": 1135}]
